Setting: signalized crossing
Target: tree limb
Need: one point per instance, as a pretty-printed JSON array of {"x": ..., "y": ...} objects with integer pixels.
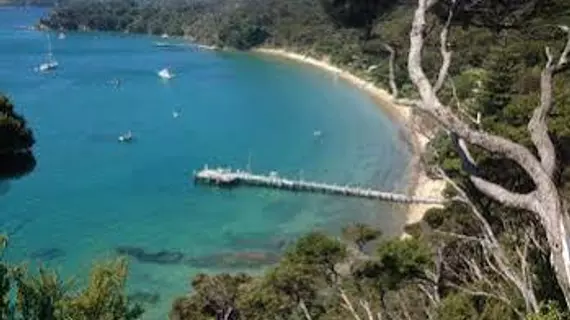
[
  {"x": 348, "y": 305},
  {"x": 433, "y": 106},
  {"x": 487, "y": 295},
  {"x": 490, "y": 189},
  {"x": 392, "y": 71},
  {"x": 305, "y": 310},
  {"x": 366, "y": 306},
  {"x": 444, "y": 50},
  {"x": 477, "y": 120},
  {"x": 564, "y": 56},
  {"x": 545, "y": 201},
  {"x": 538, "y": 126}
]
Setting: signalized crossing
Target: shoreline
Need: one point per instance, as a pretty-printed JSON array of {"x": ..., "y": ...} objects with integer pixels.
[{"x": 419, "y": 183}]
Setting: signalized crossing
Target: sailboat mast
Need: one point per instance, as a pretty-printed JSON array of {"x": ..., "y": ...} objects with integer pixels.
[
  {"x": 49, "y": 44},
  {"x": 248, "y": 168}
]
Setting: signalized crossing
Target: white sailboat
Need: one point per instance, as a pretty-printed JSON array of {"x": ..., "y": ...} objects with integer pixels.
[
  {"x": 127, "y": 137},
  {"x": 51, "y": 63},
  {"x": 165, "y": 74}
]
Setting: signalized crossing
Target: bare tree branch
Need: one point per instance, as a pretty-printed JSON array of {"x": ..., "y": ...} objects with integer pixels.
[
  {"x": 407, "y": 102},
  {"x": 433, "y": 106},
  {"x": 444, "y": 50},
  {"x": 305, "y": 310},
  {"x": 366, "y": 306},
  {"x": 544, "y": 201},
  {"x": 392, "y": 71},
  {"x": 348, "y": 305},
  {"x": 457, "y": 236},
  {"x": 538, "y": 126},
  {"x": 404, "y": 307},
  {"x": 487, "y": 295},
  {"x": 492, "y": 245},
  {"x": 228, "y": 314},
  {"x": 477, "y": 120},
  {"x": 564, "y": 56}
]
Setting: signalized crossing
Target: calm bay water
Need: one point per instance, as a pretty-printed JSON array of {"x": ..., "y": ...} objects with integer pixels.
[{"x": 90, "y": 194}]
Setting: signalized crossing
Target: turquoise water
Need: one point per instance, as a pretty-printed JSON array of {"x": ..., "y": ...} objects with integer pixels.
[{"x": 90, "y": 194}]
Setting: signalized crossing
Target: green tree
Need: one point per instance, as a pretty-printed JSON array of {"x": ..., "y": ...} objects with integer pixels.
[
  {"x": 214, "y": 297},
  {"x": 360, "y": 234},
  {"x": 317, "y": 250},
  {"x": 16, "y": 141}
]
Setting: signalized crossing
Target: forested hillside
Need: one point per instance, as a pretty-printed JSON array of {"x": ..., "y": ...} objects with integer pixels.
[
  {"x": 40, "y": 3},
  {"x": 497, "y": 250}
]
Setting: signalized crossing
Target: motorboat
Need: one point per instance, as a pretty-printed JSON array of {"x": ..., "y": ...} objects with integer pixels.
[{"x": 165, "y": 74}]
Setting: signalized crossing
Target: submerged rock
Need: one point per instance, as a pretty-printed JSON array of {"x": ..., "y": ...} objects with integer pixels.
[
  {"x": 47, "y": 254},
  {"x": 159, "y": 257},
  {"x": 144, "y": 297},
  {"x": 243, "y": 259},
  {"x": 237, "y": 259}
]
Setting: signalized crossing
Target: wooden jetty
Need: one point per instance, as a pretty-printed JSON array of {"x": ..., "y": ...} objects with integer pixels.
[{"x": 228, "y": 177}]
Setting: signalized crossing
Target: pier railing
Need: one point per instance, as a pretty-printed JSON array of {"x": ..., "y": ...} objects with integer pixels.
[{"x": 227, "y": 177}]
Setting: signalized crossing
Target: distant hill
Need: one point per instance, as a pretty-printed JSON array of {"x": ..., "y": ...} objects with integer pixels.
[{"x": 38, "y": 3}]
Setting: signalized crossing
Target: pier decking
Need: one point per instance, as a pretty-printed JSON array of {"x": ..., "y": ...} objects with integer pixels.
[{"x": 227, "y": 177}]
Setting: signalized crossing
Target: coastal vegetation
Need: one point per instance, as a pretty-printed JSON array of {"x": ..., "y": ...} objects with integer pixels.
[
  {"x": 16, "y": 141},
  {"x": 486, "y": 81},
  {"x": 37, "y": 3}
]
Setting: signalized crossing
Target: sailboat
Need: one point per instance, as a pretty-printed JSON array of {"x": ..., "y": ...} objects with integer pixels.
[
  {"x": 127, "y": 137},
  {"x": 165, "y": 74},
  {"x": 61, "y": 36},
  {"x": 51, "y": 63}
]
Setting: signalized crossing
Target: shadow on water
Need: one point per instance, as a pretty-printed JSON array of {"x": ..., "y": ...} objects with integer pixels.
[
  {"x": 4, "y": 187},
  {"x": 144, "y": 297},
  {"x": 220, "y": 260},
  {"x": 47, "y": 254}
]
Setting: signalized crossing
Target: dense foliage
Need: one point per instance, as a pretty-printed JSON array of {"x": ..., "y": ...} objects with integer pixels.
[
  {"x": 37, "y": 3},
  {"x": 16, "y": 141}
]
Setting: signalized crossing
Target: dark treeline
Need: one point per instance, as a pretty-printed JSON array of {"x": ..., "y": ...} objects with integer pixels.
[
  {"x": 477, "y": 258},
  {"x": 36, "y": 3}
]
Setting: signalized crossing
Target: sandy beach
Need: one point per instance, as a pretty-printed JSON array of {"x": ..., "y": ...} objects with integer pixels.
[{"x": 420, "y": 184}]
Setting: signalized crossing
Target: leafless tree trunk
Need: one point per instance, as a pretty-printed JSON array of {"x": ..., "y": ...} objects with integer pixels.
[
  {"x": 545, "y": 201},
  {"x": 392, "y": 70},
  {"x": 303, "y": 307},
  {"x": 496, "y": 258}
]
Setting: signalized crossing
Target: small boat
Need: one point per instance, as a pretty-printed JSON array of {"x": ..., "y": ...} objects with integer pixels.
[
  {"x": 175, "y": 114},
  {"x": 127, "y": 137},
  {"x": 317, "y": 133},
  {"x": 61, "y": 36},
  {"x": 164, "y": 36},
  {"x": 51, "y": 63},
  {"x": 48, "y": 66},
  {"x": 165, "y": 74},
  {"x": 164, "y": 45},
  {"x": 115, "y": 83}
]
